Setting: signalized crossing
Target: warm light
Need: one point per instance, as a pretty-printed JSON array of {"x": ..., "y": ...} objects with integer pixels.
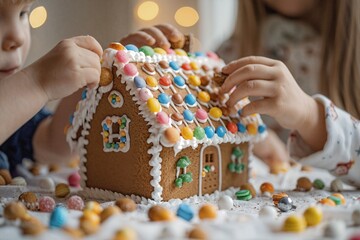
[
  {"x": 38, "y": 17},
  {"x": 148, "y": 10},
  {"x": 186, "y": 16}
]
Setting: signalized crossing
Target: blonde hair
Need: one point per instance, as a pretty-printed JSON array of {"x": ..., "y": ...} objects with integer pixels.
[
  {"x": 340, "y": 57},
  {"x": 15, "y": 2}
]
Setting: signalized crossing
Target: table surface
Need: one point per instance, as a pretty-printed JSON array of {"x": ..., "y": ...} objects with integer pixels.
[{"x": 242, "y": 222}]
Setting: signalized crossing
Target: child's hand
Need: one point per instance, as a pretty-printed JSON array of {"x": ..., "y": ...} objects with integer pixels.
[
  {"x": 158, "y": 36},
  {"x": 280, "y": 95},
  {"x": 72, "y": 64}
]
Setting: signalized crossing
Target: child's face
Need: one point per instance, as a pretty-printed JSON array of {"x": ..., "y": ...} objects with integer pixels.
[
  {"x": 14, "y": 35},
  {"x": 291, "y": 8}
]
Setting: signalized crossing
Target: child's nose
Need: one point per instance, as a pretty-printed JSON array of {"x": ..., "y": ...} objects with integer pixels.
[{"x": 14, "y": 37}]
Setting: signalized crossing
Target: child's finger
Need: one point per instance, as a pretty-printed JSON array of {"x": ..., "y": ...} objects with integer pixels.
[
  {"x": 232, "y": 66},
  {"x": 261, "y": 106},
  {"x": 171, "y": 32},
  {"x": 139, "y": 39},
  {"x": 247, "y": 72},
  {"x": 89, "y": 43},
  {"x": 159, "y": 37},
  {"x": 91, "y": 77},
  {"x": 88, "y": 59},
  {"x": 252, "y": 88}
]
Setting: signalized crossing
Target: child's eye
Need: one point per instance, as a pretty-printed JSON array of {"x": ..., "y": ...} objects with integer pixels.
[{"x": 24, "y": 14}]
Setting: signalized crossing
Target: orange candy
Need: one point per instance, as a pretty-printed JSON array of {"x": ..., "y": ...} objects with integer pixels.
[
  {"x": 207, "y": 211},
  {"x": 116, "y": 46},
  {"x": 339, "y": 195},
  {"x": 267, "y": 187},
  {"x": 276, "y": 197},
  {"x": 328, "y": 202}
]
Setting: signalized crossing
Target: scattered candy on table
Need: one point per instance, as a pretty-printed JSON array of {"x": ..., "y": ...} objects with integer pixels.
[
  {"x": 285, "y": 204},
  {"x": 313, "y": 216},
  {"x": 75, "y": 202},
  {"x": 207, "y": 211},
  {"x": 126, "y": 204},
  {"x": 225, "y": 202},
  {"x": 336, "y": 185},
  {"x": 244, "y": 195},
  {"x": 185, "y": 212},
  {"x": 62, "y": 190},
  {"x": 46, "y": 204},
  {"x": 303, "y": 184}
]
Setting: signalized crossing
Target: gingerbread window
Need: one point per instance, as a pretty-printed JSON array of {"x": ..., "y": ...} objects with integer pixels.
[
  {"x": 115, "y": 132},
  {"x": 116, "y": 99}
]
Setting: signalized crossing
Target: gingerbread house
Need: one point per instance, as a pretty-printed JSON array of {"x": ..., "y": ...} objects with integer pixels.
[{"x": 156, "y": 128}]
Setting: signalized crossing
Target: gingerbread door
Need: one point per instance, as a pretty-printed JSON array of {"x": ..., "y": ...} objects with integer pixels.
[{"x": 210, "y": 170}]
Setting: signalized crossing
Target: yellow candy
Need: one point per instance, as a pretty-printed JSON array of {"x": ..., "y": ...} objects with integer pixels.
[
  {"x": 187, "y": 133},
  {"x": 160, "y": 51},
  {"x": 180, "y": 52},
  {"x": 194, "y": 66},
  {"x": 207, "y": 211},
  {"x": 251, "y": 128},
  {"x": 215, "y": 112},
  {"x": 91, "y": 216},
  {"x": 294, "y": 223},
  {"x": 204, "y": 96},
  {"x": 125, "y": 234},
  {"x": 313, "y": 216},
  {"x": 157, "y": 213},
  {"x": 122, "y": 145},
  {"x": 122, "y": 133},
  {"x": 194, "y": 80},
  {"x": 93, "y": 206},
  {"x": 105, "y": 134},
  {"x": 153, "y": 105},
  {"x": 116, "y": 46},
  {"x": 151, "y": 81}
]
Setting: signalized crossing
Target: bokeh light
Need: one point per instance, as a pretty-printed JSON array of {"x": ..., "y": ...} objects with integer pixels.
[
  {"x": 186, "y": 16},
  {"x": 148, "y": 10},
  {"x": 38, "y": 17}
]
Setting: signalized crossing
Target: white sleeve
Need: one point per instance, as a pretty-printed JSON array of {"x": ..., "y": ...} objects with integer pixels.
[{"x": 341, "y": 153}]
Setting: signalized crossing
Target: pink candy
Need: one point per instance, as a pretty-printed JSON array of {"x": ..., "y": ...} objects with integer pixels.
[
  {"x": 170, "y": 51},
  {"x": 46, "y": 204},
  {"x": 122, "y": 57},
  {"x": 145, "y": 94},
  {"x": 162, "y": 118},
  {"x": 201, "y": 115},
  {"x": 212, "y": 55},
  {"x": 130, "y": 69},
  {"x": 74, "y": 179},
  {"x": 75, "y": 203}
]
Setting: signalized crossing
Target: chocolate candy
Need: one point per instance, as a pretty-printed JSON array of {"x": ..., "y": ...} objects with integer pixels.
[
  {"x": 6, "y": 175},
  {"x": 177, "y": 117},
  {"x": 303, "y": 184},
  {"x": 32, "y": 226},
  {"x": 177, "y": 99},
  {"x": 219, "y": 78},
  {"x": 126, "y": 204},
  {"x": 336, "y": 185},
  {"x": 276, "y": 197},
  {"x": 185, "y": 211},
  {"x": 62, "y": 190},
  {"x": 164, "y": 64}
]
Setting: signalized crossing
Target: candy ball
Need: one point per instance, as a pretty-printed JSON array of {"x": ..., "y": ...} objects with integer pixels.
[
  {"x": 194, "y": 81},
  {"x": 108, "y": 212},
  {"x": 179, "y": 82},
  {"x": 220, "y": 131},
  {"x": 75, "y": 203},
  {"x": 340, "y": 196},
  {"x": 207, "y": 211},
  {"x": 318, "y": 184},
  {"x": 188, "y": 115},
  {"x": 356, "y": 217},
  {"x": 215, "y": 113},
  {"x": 126, "y": 204},
  {"x": 58, "y": 217},
  {"x": 251, "y": 129},
  {"x": 148, "y": 51},
  {"x": 304, "y": 184},
  {"x": 285, "y": 204},
  {"x": 172, "y": 135},
  {"x": 225, "y": 202},
  {"x": 130, "y": 69},
  {"x": 46, "y": 204},
  {"x": 336, "y": 185},
  {"x": 313, "y": 216},
  {"x": 266, "y": 187},
  {"x": 145, "y": 94},
  {"x": 268, "y": 212},
  {"x": 209, "y": 131},
  {"x": 203, "y": 97},
  {"x": 47, "y": 184},
  {"x": 62, "y": 190},
  {"x": 153, "y": 105},
  {"x": 187, "y": 133},
  {"x": 74, "y": 179},
  {"x": 199, "y": 133},
  {"x": 93, "y": 206},
  {"x": 165, "y": 81},
  {"x": 158, "y": 213},
  {"x": 139, "y": 82},
  {"x": 122, "y": 57},
  {"x": 197, "y": 233},
  {"x": 106, "y": 77},
  {"x": 185, "y": 212},
  {"x": 190, "y": 100},
  {"x": 15, "y": 210},
  {"x": 162, "y": 118},
  {"x": 294, "y": 223}
]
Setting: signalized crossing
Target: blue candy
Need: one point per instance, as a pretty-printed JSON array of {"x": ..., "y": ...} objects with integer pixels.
[
  {"x": 209, "y": 131},
  {"x": 163, "y": 98},
  {"x": 105, "y": 127},
  {"x": 241, "y": 127},
  {"x": 139, "y": 82},
  {"x": 261, "y": 128},
  {"x": 188, "y": 115},
  {"x": 220, "y": 131},
  {"x": 71, "y": 118},
  {"x": 174, "y": 65},
  {"x": 190, "y": 99},
  {"x": 132, "y": 47},
  {"x": 58, "y": 217},
  {"x": 185, "y": 212},
  {"x": 83, "y": 94},
  {"x": 4, "y": 162},
  {"x": 199, "y": 54},
  {"x": 179, "y": 81}
]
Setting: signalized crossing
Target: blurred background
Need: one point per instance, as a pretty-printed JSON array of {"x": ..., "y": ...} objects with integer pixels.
[{"x": 211, "y": 21}]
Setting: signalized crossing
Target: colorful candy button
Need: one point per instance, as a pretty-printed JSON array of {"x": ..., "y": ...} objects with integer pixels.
[
  {"x": 145, "y": 94},
  {"x": 164, "y": 99},
  {"x": 194, "y": 66},
  {"x": 185, "y": 212},
  {"x": 174, "y": 65},
  {"x": 151, "y": 82},
  {"x": 231, "y": 127},
  {"x": 243, "y": 195},
  {"x": 159, "y": 51},
  {"x": 122, "y": 57},
  {"x": 116, "y": 46},
  {"x": 179, "y": 82},
  {"x": 199, "y": 133},
  {"x": 251, "y": 128},
  {"x": 148, "y": 68},
  {"x": 188, "y": 115},
  {"x": 241, "y": 127},
  {"x": 186, "y": 66},
  {"x": 180, "y": 52},
  {"x": 194, "y": 81},
  {"x": 207, "y": 211},
  {"x": 148, "y": 51},
  {"x": 132, "y": 47},
  {"x": 209, "y": 131},
  {"x": 165, "y": 81},
  {"x": 261, "y": 128},
  {"x": 130, "y": 69},
  {"x": 203, "y": 97},
  {"x": 172, "y": 135},
  {"x": 153, "y": 105},
  {"x": 215, "y": 113},
  {"x": 162, "y": 117},
  {"x": 139, "y": 82},
  {"x": 201, "y": 115},
  {"x": 187, "y": 133},
  {"x": 294, "y": 223},
  {"x": 177, "y": 99},
  {"x": 313, "y": 216},
  {"x": 212, "y": 55},
  {"x": 220, "y": 131},
  {"x": 190, "y": 100}
]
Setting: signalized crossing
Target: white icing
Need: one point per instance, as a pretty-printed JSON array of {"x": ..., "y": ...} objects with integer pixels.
[{"x": 116, "y": 104}]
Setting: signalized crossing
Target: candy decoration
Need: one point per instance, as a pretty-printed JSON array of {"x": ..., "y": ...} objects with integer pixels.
[
  {"x": 158, "y": 213},
  {"x": 194, "y": 81},
  {"x": 194, "y": 66},
  {"x": 318, "y": 184},
  {"x": 215, "y": 113},
  {"x": 261, "y": 129},
  {"x": 30, "y": 200},
  {"x": 74, "y": 179},
  {"x": 190, "y": 100},
  {"x": 201, "y": 115},
  {"x": 164, "y": 99},
  {"x": 165, "y": 81},
  {"x": 125, "y": 234},
  {"x": 199, "y": 133},
  {"x": 207, "y": 211},
  {"x": 162, "y": 118},
  {"x": 188, "y": 115},
  {"x": 126, "y": 204},
  {"x": 106, "y": 77},
  {"x": 139, "y": 82},
  {"x": 248, "y": 186},
  {"x": 185, "y": 212},
  {"x": 174, "y": 66},
  {"x": 205, "y": 80},
  {"x": 336, "y": 185},
  {"x": 159, "y": 51},
  {"x": 231, "y": 127},
  {"x": 241, "y": 127},
  {"x": 180, "y": 52},
  {"x": 203, "y": 97},
  {"x": 62, "y": 190},
  {"x": 313, "y": 216},
  {"x": 46, "y": 204},
  {"x": 153, "y": 105},
  {"x": 187, "y": 133},
  {"x": 148, "y": 51},
  {"x": 47, "y": 183},
  {"x": 179, "y": 82},
  {"x": 177, "y": 99},
  {"x": 122, "y": 57},
  {"x": 220, "y": 131},
  {"x": 177, "y": 117},
  {"x": 145, "y": 94},
  {"x": 108, "y": 212},
  {"x": 294, "y": 223},
  {"x": 251, "y": 128},
  {"x": 172, "y": 135},
  {"x": 93, "y": 206},
  {"x": 130, "y": 69},
  {"x": 197, "y": 233},
  {"x": 58, "y": 217},
  {"x": 303, "y": 184},
  {"x": 225, "y": 202},
  {"x": 75, "y": 202},
  {"x": 340, "y": 196},
  {"x": 116, "y": 46},
  {"x": 132, "y": 47},
  {"x": 285, "y": 204},
  {"x": 266, "y": 187},
  {"x": 244, "y": 195},
  {"x": 209, "y": 131},
  {"x": 186, "y": 66},
  {"x": 15, "y": 210},
  {"x": 268, "y": 212},
  {"x": 276, "y": 197},
  {"x": 164, "y": 64}
]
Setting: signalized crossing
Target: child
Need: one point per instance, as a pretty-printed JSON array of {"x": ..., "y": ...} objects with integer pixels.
[{"x": 316, "y": 47}]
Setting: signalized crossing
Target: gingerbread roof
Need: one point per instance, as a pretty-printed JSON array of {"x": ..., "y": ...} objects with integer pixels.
[{"x": 176, "y": 95}]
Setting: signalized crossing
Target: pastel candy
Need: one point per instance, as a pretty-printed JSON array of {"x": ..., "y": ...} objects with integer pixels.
[
  {"x": 190, "y": 100},
  {"x": 209, "y": 131},
  {"x": 58, "y": 217},
  {"x": 139, "y": 82},
  {"x": 153, "y": 105},
  {"x": 185, "y": 212},
  {"x": 132, "y": 47},
  {"x": 215, "y": 112},
  {"x": 179, "y": 81},
  {"x": 204, "y": 96},
  {"x": 188, "y": 115},
  {"x": 151, "y": 81},
  {"x": 201, "y": 115},
  {"x": 174, "y": 65},
  {"x": 180, "y": 52},
  {"x": 145, "y": 94},
  {"x": 220, "y": 131},
  {"x": 261, "y": 128},
  {"x": 148, "y": 51},
  {"x": 130, "y": 69},
  {"x": 194, "y": 80},
  {"x": 122, "y": 57},
  {"x": 162, "y": 118},
  {"x": 165, "y": 81},
  {"x": 187, "y": 133},
  {"x": 163, "y": 98},
  {"x": 199, "y": 133},
  {"x": 159, "y": 51}
]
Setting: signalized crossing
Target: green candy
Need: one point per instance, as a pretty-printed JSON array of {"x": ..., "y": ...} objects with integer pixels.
[
  {"x": 199, "y": 133},
  {"x": 178, "y": 182},
  {"x": 186, "y": 177},
  {"x": 183, "y": 162},
  {"x": 231, "y": 167},
  {"x": 148, "y": 51},
  {"x": 243, "y": 195},
  {"x": 336, "y": 200},
  {"x": 318, "y": 184},
  {"x": 239, "y": 167},
  {"x": 237, "y": 152}
]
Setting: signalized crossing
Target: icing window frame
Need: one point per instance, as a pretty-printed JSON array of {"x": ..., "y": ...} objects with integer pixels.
[{"x": 116, "y": 141}]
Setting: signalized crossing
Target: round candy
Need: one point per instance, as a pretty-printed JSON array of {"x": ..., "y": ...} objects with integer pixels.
[
  {"x": 75, "y": 202},
  {"x": 188, "y": 115},
  {"x": 231, "y": 127},
  {"x": 241, "y": 127},
  {"x": 215, "y": 113},
  {"x": 164, "y": 99},
  {"x": 201, "y": 115},
  {"x": 159, "y": 51},
  {"x": 177, "y": 99},
  {"x": 74, "y": 179},
  {"x": 251, "y": 128},
  {"x": 294, "y": 223},
  {"x": 318, "y": 184},
  {"x": 185, "y": 212},
  {"x": 180, "y": 52},
  {"x": 204, "y": 97},
  {"x": 116, "y": 46},
  {"x": 336, "y": 185},
  {"x": 266, "y": 187},
  {"x": 207, "y": 211},
  {"x": 194, "y": 81},
  {"x": 108, "y": 212},
  {"x": 336, "y": 200},
  {"x": 220, "y": 131},
  {"x": 148, "y": 51},
  {"x": 58, "y": 217},
  {"x": 153, "y": 105},
  {"x": 122, "y": 57},
  {"x": 304, "y": 184},
  {"x": 285, "y": 204},
  {"x": 151, "y": 81},
  {"x": 15, "y": 210},
  {"x": 126, "y": 204},
  {"x": 199, "y": 133},
  {"x": 165, "y": 81},
  {"x": 190, "y": 100},
  {"x": 327, "y": 201},
  {"x": 130, "y": 69},
  {"x": 62, "y": 190},
  {"x": 47, "y": 183},
  {"x": 162, "y": 118},
  {"x": 197, "y": 233},
  {"x": 172, "y": 135},
  {"x": 145, "y": 94},
  {"x": 46, "y": 204},
  {"x": 225, "y": 202},
  {"x": 194, "y": 66},
  {"x": 209, "y": 131},
  {"x": 356, "y": 217},
  {"x": 212, "y": 55},
  {"x": 174, "y": 65},
  {"x": 335, "y": 229},
  {"x": 132, "y": 47},
  {"x": 340, "y": 196},
  {"x": 268, "y": 212},
  {"x": 30, "y": 200},
  {"x": 139, "y": 82},
  {"x": 158, "y": 213},
  {"x": 276, "y": 197},
  {"x": 313, "y": 216},
  {"x": 187, "y": 133},
  {"x": 179, "y": 82},
  {"x": 106, "y": 77},
  {"x": 244, "y": 195},
  {"x": 93, "y": 206},
  {"x": 186, "y": 66}
]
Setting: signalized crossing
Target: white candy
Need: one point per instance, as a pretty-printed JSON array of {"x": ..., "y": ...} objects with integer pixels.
[
  {"x": 356, "y": 217},
  {"x": 268, "y": 212},
  {"x": 46, "y": 183},
  {"x": 18, "y": 181},
  {"x": 335, "y": 229},
  {"x": 337, "y": 185},
  {"x": 225, "y": 202}
]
